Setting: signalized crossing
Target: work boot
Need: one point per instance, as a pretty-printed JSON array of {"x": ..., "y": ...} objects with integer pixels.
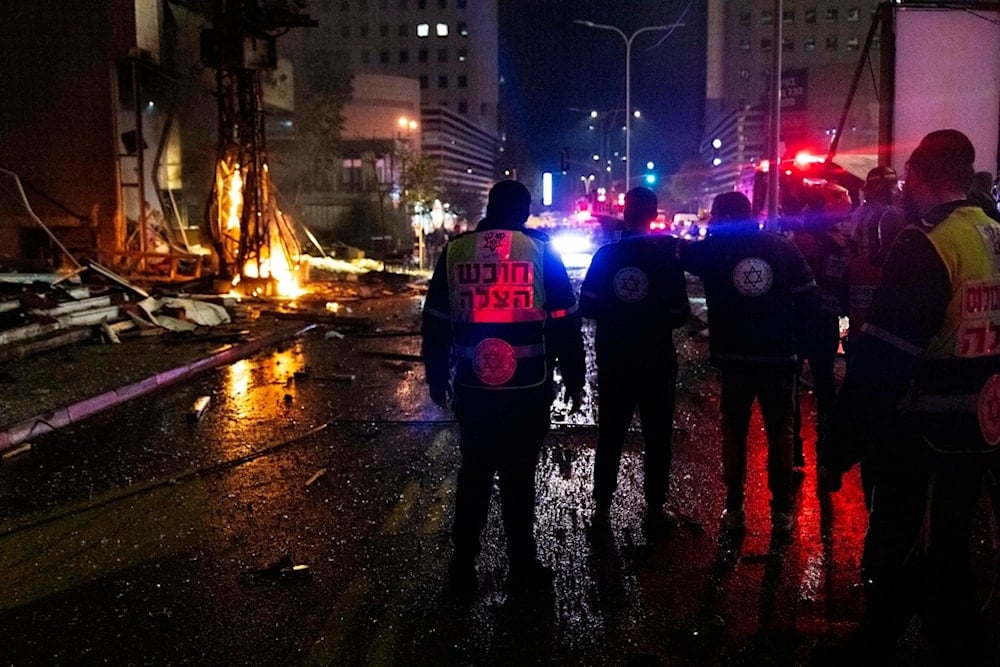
[
  {"x": 600, "y": 519},
  {"x": 658, "y": 521},
  {"x": 734, "y": 520},
  {"x": 782, "y": 524},
  {"x": 531, "y": 577}
]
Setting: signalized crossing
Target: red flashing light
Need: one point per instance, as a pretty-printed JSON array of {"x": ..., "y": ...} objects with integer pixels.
[{"x": 803, "y": 158}]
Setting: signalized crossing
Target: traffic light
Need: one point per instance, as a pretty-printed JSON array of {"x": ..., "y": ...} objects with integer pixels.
[{"x": 564, "y": 160}]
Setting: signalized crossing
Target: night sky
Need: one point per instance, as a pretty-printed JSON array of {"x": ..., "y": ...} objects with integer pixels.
[{"x": 549, "y": 65}]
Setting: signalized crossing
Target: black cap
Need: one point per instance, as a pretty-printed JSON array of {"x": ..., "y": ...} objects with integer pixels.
[
  {"x": 508, "y": 201},
  {"x": 945, "y": 156},
  {"x": 881, "y": 173},
  {"x": 731, "y": 206}
]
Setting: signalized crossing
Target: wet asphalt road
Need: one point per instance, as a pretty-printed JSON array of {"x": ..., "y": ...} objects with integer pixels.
[{"x": 304, "y": 520}]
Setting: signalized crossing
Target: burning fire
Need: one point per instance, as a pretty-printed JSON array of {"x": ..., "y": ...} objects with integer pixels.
[{"x": 270, "y": 260}]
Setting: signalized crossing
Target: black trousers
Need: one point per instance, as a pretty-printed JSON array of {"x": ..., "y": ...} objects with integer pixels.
[
  {"x": 773, "y": 387},
  {"x": 622, "y": 391},
  {"x": 820, "y": 351},
  {"x": 501, "y": 436},
  {"x": 916, "y": 561}
]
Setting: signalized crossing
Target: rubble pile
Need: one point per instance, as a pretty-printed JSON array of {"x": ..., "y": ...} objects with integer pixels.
[{"x": 41, "y": 312}]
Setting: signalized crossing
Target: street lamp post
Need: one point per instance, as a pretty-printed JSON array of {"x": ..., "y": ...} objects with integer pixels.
[{"x": 628, "y": 78}]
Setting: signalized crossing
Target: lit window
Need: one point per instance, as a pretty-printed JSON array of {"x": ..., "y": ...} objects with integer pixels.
[
  {"x": 442, "y": 29},
  {"x": 745, "y": 45},
  {"x": 809, "y": 44},
  {"x": 463, "y": 55},
  {"x": 744, "y": 74},
  {"x": 462, "y": 29},
  {"x": 853, "y": 15},
  {"x": 852, "y": 44},
  {"x": 423, "y": 30}
]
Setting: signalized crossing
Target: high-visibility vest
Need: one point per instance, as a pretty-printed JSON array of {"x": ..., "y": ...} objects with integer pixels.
[
  {"x": 957, "y": 392},
  {"x": 496, "y": 290}
]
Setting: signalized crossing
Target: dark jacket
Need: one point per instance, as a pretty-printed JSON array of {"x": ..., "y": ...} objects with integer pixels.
[
  {"x": 920, "y": 348},
  {"x": 758, "y": 290},
  {"x": 636, "y": 291}
]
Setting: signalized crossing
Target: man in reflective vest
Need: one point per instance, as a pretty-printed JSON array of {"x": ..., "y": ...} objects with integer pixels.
[
  {"x": 636, "y": 292},
  {"x": 919, "y": 408},
  {"x": 500, "y": 313}
]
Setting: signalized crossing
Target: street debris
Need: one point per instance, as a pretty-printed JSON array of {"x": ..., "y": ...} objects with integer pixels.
[
  {"x": 197, "y": 410},
  {"x": 23, "y": 449},
  {"x": 315, "y": 476},
  {"x": 282, "y": 569}
]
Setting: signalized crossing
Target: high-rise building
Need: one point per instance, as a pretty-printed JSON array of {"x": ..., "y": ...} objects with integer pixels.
[
  {"x": 821, "y": 46},
  {"x": 449, "y": 47}
]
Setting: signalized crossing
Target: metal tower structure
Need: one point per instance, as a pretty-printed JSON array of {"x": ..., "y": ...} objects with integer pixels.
[{"x": 254, "y": 242}]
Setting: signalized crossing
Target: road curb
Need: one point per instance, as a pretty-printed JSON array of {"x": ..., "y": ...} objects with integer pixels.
[{"x": 69, "y": 414}]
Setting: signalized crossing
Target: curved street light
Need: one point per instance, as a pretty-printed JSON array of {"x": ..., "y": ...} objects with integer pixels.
[{"x": 628, "y": 77}]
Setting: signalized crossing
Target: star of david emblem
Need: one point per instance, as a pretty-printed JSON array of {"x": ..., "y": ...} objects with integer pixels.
[
  {"x": 494, "y": 361},
  {"x": 493, "y": 240},
  {"x": 631, "y": 284},
  {"x": 988, "y": 410},
  {"x": 752, "y": 276}
]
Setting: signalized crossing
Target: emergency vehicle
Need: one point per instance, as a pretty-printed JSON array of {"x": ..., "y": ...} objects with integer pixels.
[{"x": 799, "y": 176}]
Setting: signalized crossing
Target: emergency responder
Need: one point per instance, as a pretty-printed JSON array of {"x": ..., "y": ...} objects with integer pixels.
[
  {"x": 500, "y": 312},
  {"x": 864, "y": 272},
  {"x": 827, "y": 251},
  {"x": 917, "y": 408},
  {"x": 879, "y": 194},
  {"x": 982, "y": 193},
  {"x": 758, "y": 288},
  {"x": 636, "y": 291}
]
